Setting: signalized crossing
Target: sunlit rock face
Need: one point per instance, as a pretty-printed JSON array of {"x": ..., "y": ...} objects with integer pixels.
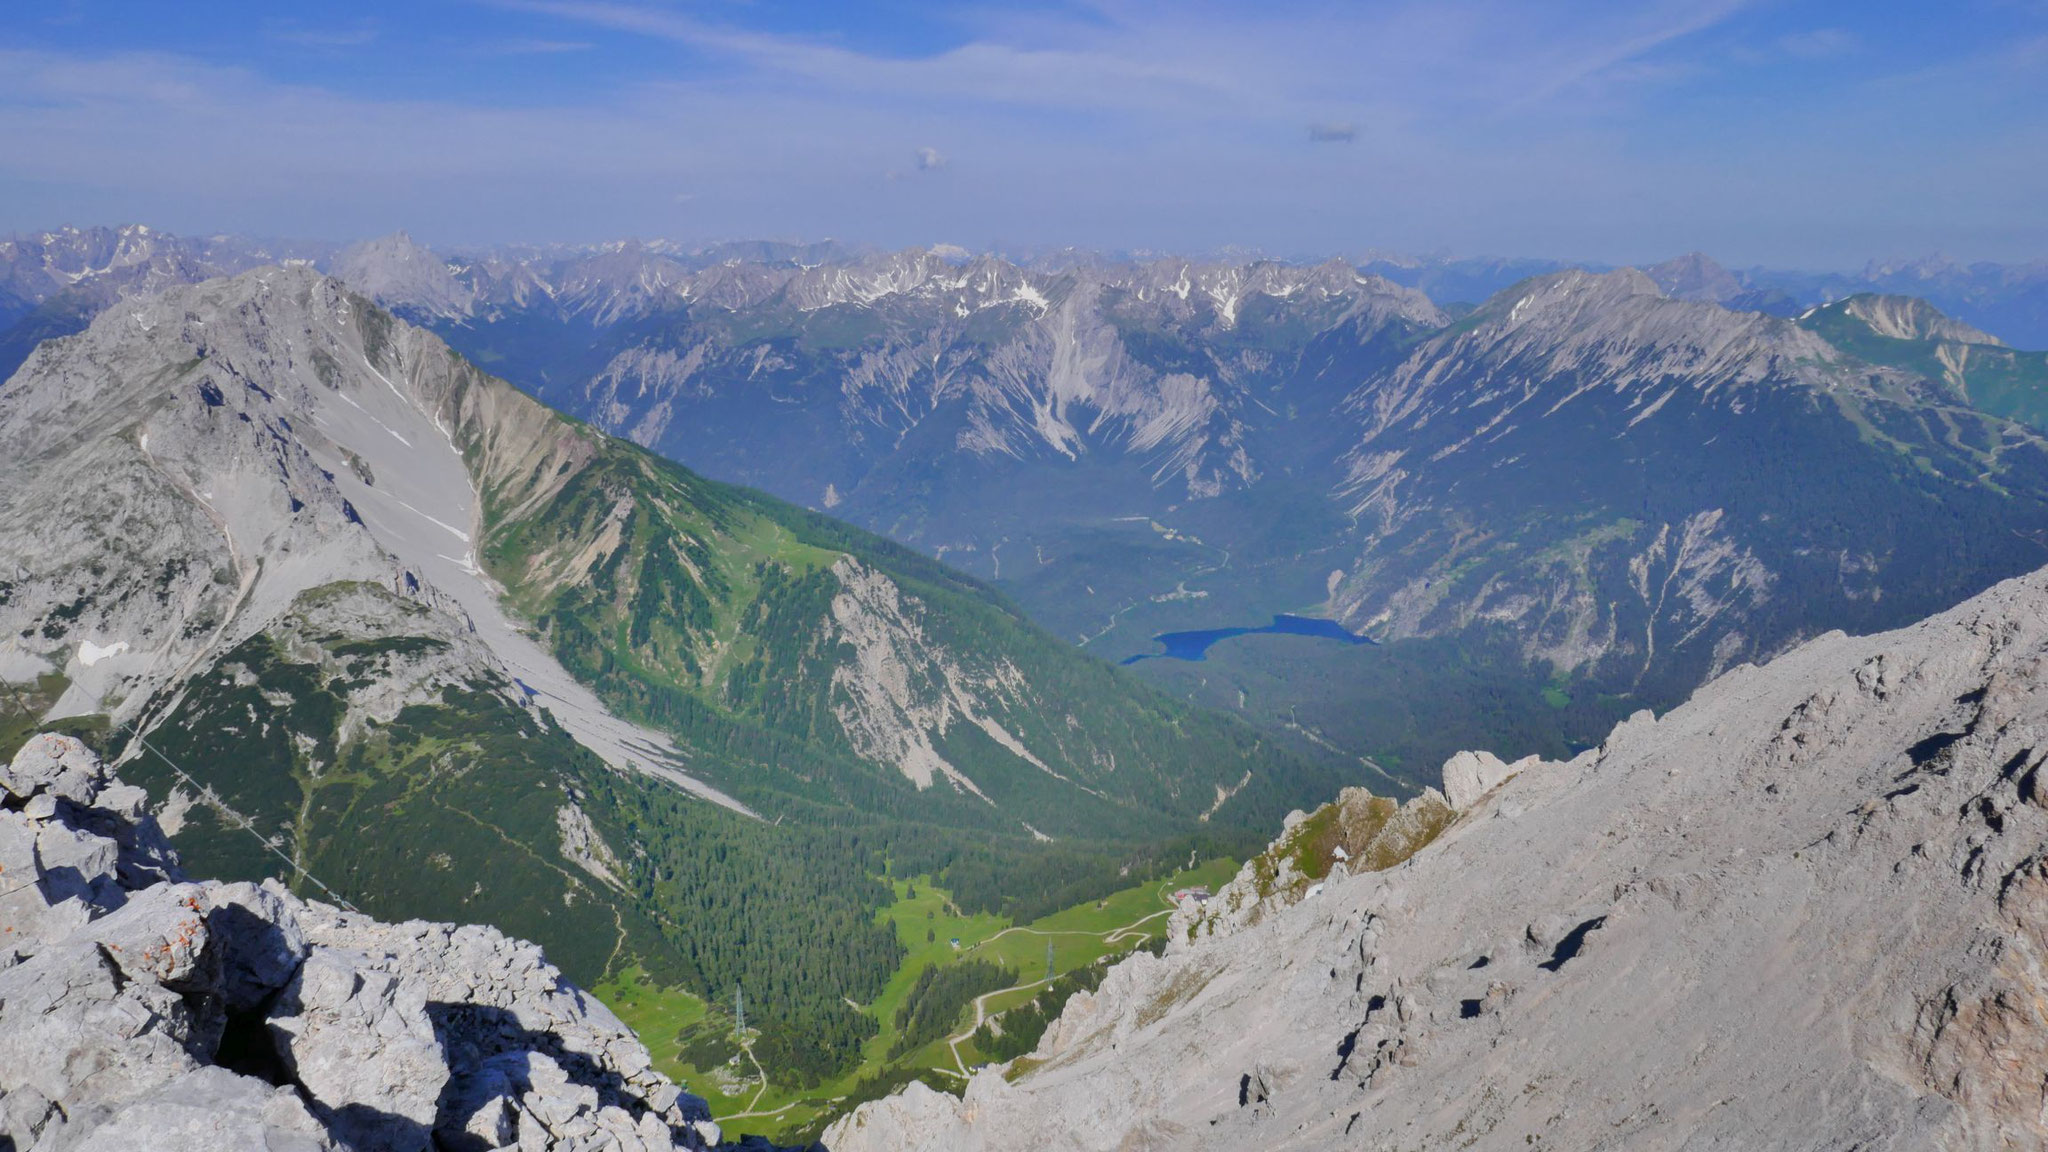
[
  {"x": 1804, "y": 909},
  {"x": 140, "y": 1011}
]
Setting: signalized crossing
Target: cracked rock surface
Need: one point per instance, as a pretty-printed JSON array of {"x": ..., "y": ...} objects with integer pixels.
[
  {"x": 1808, "y": 909},
  {"x": 140, "y": 1011}
]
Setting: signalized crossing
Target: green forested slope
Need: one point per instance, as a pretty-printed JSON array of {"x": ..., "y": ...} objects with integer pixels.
[
  {"x": 810, "y": 667},
  {"x": 2002, "y": 381}
]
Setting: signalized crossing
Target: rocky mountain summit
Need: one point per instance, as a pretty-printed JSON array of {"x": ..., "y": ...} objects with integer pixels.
[
  {"x": 133, "y": 259},
  {"x": 53, "y": 283},
  {"x": 1695, "y": 276},
  {"x": 251, "y": 440},
  {"x": 142, "y": 1012},
  {"x": 1911, "y": 318},
  {"x": 1805, "y": 910},
  {"x": 2010, "y": 300}
]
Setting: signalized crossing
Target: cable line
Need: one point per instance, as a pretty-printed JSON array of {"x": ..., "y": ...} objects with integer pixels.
[{"x": 213, "y": 797}]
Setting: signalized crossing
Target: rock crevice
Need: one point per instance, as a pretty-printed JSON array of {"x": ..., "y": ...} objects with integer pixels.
[{"x": 142, "y": 1011}]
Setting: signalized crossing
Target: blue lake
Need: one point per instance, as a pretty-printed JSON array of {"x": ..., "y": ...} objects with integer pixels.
[{"x": 1195, "y": 645}]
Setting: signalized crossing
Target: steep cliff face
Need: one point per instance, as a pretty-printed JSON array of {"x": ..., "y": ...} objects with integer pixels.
[
  {"x": 138, "y": 1011},
  {"x": 1803, "y": 910}
]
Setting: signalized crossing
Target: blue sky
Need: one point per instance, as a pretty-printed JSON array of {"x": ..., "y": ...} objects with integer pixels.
[{"x": 1794, "y": 133}]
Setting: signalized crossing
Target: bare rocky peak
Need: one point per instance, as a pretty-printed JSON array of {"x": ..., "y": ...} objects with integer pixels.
[
  {"x": 1695, "y": 276},
  {"x": 616, "y": 282},
  {"x": 1618, "y": 327},
  {"x": 1932, "y": 267},
  {"x": 1804, "y": 910},
  {"x": 399, "y": 272},
  {"x": 142, "y": 1013},
  {"x": 71, "y": 254},
  {"x": 1534, "y": 346},
  {"x": 1910, "y": 318},
  {"x": 916, "y": 272},
  {"x": 503, "y": 282},
  {"x": 180, "y": 476},
  {"x": 1222, "y": 289},
  {"x": 104, "y": 264}
]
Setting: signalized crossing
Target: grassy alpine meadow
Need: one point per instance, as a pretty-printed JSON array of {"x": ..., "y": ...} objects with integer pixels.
[{"x": 694, "y": 1041}]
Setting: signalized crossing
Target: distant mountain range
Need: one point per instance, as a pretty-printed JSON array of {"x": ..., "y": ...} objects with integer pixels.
[
  {"x": 2010, "y": 300},
  {"x": 1608, "y": 486}
]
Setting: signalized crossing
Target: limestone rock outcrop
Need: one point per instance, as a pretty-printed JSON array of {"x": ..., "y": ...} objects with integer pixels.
[
  {"x": 1806, "y": 910},
  {"x": 1356, "y": 832},
  {"x": 1468, "y": 776},
  {"x": 140, "y": 1011}
]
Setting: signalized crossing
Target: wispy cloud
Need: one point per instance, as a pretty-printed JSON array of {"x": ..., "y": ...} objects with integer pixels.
[
  {"x": 529, "y": 47},
  {"x": 1083, "y": 71},
  {"x": 352, "y": 36},
  {"x": 1597, "y": 128},
  {"x": 1615, "y": 46}
]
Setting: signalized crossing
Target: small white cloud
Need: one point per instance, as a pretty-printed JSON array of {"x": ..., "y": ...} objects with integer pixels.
[
  {"x": 930, "y": 159},
  {"x": 1341, "y": 132},
  {"x": 1819, "y": 43}
]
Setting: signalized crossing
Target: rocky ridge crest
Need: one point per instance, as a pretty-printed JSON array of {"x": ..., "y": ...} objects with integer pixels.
[
  {"x": 141, "y": 1011},
  {"x": 1804, "y": 910}
]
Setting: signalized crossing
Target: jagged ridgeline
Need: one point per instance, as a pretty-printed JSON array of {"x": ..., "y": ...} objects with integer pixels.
[{"x": 352, "y": 609}]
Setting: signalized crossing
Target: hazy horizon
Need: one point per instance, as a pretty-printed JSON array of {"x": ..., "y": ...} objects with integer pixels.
[
  {"x": 291, "y": 246},
  {"x": 1807, "y": 134}
]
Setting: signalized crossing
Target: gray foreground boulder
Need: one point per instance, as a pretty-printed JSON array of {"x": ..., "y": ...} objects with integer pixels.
[
  {"x": 142, "y": 1012},
  {"x": 1806, "y": 910}
]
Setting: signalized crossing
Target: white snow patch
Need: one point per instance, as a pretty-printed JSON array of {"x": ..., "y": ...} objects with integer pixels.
[{"x": 90, "y": 653}]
